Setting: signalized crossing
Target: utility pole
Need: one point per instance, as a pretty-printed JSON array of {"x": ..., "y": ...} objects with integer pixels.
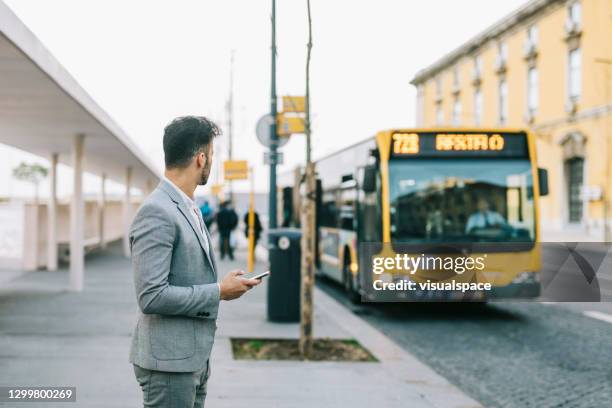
[
  {"x": 308, "y": 220},
  {"x": 230, "y": 118},
  {"x": 273, "y": 133},
  {"x": 607, "y": 63}
]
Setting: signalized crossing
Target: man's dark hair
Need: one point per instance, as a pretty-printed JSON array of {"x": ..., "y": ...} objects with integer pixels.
[{"x": 185, "y": 137}]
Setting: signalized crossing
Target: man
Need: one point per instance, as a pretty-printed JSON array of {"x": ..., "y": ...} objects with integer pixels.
[
  {"x": 484, "y": 218},
  {"x": 175, "y": 275},
  {"x": 258, "y": 228},
  {"x": 227, "y": 220}
]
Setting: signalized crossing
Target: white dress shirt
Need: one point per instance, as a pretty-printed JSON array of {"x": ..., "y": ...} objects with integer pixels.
[{"x": 196, "y": 215}]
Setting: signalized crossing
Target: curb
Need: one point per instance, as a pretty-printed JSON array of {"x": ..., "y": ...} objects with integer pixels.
[{"x": 432, "y": 387}]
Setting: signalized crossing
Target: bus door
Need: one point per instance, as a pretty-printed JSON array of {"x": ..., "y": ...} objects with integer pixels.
[{"x": 329, "y": 234}]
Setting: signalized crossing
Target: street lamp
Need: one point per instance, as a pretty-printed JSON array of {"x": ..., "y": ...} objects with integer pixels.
[{"x": 273, "y": 133}]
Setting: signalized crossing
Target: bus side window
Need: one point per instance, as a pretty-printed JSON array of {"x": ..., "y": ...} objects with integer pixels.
[
  {"x": 329, "y": 210},
  {"x": 347, "y": 210},
  {"x": 369, "y": 219}
]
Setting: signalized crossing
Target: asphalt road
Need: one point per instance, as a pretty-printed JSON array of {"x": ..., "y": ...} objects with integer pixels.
[{"x": 506, "y": 354}]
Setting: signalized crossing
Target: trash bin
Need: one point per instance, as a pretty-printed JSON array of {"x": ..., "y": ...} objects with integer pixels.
[{"x": 284, "y": 282}]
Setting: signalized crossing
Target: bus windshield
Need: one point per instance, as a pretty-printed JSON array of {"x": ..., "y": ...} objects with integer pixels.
[{"x": 461, "y": 200}]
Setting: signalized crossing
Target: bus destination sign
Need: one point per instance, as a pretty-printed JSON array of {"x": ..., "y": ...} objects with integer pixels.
[{"x": 438, "y": 144}]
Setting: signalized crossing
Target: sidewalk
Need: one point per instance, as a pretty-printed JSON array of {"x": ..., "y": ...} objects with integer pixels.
[
  {"x": 52, "y": 337},
  {"x": 397, "y": 380}
]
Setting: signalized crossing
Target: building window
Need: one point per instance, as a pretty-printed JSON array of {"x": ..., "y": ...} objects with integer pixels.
[
  {"x": 478, "y": 65},
  {"x": 478, "y": 107},
  {"x": 574, "y": 12},
  {"x": 456, "y": 111},
  {"x": 456, "y": 78},
  {"x": 532, "y": 35},
  {"x": 530, "y": 51},
  {"x": 502, "y": 58},
  {"x": 574, "y": 75},
  {"x": 439, "y": 115},
  {"x": 575, "y": 173},
  {"x": 503, "y": 102},
  {"x": 502, "y": 52},
  {"x": 476, "y": 77},
  {"x": 532, "y": 91},
  {"x": 420, "y": 105},
  {"x": 438, "y": 88}
]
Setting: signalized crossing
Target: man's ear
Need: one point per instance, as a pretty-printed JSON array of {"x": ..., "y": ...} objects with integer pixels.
[{"x": 201, "y": 159}]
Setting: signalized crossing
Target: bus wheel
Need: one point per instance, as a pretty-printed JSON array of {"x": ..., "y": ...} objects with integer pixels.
[{"x": 349, "y": 287}]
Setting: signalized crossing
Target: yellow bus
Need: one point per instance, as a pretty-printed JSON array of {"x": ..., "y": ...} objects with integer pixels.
[{"x": 431, "y": 187}]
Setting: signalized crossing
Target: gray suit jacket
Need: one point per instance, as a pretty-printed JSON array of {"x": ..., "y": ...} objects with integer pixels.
[{"x": 176, "y": 287}]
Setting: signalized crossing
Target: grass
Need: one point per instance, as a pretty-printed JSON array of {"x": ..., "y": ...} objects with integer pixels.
[{"x": 288, "y": 349}]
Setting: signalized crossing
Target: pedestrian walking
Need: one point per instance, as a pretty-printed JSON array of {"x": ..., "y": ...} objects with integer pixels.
[
  {"x": 258, "y": 227},
  {"x": 227, "y": 221}
]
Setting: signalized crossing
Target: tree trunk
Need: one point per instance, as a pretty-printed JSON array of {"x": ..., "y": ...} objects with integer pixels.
[
  {"x": 308, "y": 267},
  {"x": 308, "y": 221}
]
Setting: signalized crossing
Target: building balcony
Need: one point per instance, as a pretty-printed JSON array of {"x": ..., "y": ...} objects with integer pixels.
[
  {"x": 573, "y": 29},
  {"x": 530, "y": 50},
  {"x": 476, "y": 78},
  {"x": 501, "y": 65},
  {"x": 571, "y": 106},
  {"x": 456, "y": 89}
]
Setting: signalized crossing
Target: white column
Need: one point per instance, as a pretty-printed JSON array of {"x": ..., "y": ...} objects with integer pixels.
[
  {"x": 52, "y": 215},
  {"x": 127, "y": 212},
  {"x": 77, "y": 256},
  {"x": 102, "y": 206}
]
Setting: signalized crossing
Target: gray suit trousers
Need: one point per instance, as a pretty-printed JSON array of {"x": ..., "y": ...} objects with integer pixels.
[{"x": 162, "y": 389}]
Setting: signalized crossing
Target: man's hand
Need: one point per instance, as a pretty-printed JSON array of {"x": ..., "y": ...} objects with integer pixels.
[{"x": 233, "y": 285}]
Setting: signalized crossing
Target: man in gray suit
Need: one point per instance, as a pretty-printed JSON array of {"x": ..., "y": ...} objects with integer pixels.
[{"x": 175, "y": 275}]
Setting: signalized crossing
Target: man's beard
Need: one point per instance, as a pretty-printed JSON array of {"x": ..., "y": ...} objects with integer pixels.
[{"x": 204, "y": 176}]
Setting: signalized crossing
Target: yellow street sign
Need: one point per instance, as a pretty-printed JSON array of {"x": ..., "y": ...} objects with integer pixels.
[
  {"x": 235, "y": 170},
  {"x": 216, "y": 189},
  {"x": 287, "y": 125},
  {"x": 296, "y": 104}
]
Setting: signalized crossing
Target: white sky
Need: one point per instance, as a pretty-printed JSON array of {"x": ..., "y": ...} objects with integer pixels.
[{"x": 146, "y": 62}]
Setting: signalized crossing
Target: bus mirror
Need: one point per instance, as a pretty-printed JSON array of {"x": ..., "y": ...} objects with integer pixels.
[
  {"x": 543, "y": 181},
  {"x": 368, "y": 183}
]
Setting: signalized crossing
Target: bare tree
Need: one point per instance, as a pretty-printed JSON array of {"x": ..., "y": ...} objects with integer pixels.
[{"x": 308, "y": 220}]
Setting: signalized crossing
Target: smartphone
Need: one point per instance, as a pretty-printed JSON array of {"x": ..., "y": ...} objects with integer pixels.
[{"x": 256, "y": 275}]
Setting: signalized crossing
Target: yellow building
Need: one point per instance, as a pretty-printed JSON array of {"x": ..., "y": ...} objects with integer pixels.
[{"x": 548, "y": 67}]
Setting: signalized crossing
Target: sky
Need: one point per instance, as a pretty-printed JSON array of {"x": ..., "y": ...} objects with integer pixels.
[{"x": 146, "y": 62}]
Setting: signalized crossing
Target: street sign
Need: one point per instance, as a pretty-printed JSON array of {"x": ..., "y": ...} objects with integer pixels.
[
  {"x": 216, "y": 189},
  {"x": 288, "y": 125},
  {"x": 296, "y": 104},
  {"x": 279, "y": 157},
  {"x": 235, "y": 170},
  {"x": 262, "y": 130}
]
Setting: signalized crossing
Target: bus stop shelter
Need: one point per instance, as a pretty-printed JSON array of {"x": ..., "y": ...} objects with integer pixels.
[{"x": 44, "y": 111}]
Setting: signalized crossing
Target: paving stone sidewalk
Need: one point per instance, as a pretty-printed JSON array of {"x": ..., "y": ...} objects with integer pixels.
[{"x": 49, "y": 336}]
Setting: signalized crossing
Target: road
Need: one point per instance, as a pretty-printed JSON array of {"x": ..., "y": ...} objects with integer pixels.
[{"x": 506, "y": 354}]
